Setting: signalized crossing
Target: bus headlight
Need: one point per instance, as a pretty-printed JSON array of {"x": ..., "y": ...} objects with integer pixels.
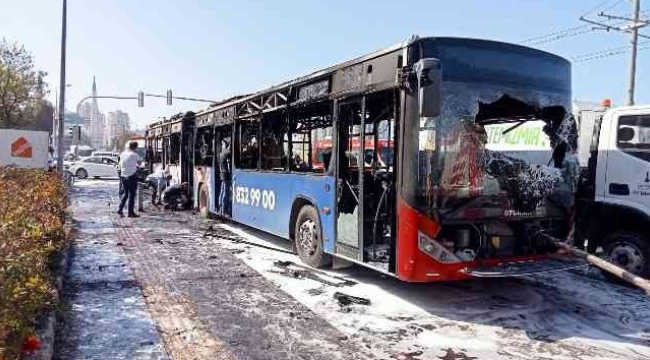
[{"x": 436, "y": 250}]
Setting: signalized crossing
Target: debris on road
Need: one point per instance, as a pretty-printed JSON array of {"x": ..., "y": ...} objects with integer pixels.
[
  {"x": 222, "y": 234},
  {"x": 345, "y": 299},
  {"x": 293, "y": 270},
  {"x": 282, "y": 264},
  {"x": 452, "y": 355}
]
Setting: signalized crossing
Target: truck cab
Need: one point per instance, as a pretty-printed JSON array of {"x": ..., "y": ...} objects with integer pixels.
[{"x": 614, "y": 200}]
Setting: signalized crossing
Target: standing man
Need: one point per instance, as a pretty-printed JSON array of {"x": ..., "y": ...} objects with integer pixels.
[
  {"x": 224, "y": 176},
  {"x": 128, "y": 169}
]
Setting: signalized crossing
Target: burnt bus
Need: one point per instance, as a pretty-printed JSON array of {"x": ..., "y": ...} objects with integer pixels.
[
  {"x": 169, "y": 143},
  {"x": 447, "y": 206}
]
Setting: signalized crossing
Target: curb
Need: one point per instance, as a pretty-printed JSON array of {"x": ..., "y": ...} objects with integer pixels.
[{"x": 46, "y": 327}]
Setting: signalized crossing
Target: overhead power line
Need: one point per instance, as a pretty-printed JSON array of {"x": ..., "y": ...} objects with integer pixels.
[
  {"x": 555, "y": 33},
  {"x": 613, "y": 6},
  {"x": 619, "y": 50},
  {"x": 600, "y": 6},
  {"x": 576, "y": 30},
  {"x": 561, "y": 35}
]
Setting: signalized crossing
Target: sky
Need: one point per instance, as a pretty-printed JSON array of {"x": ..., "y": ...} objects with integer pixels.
[{"x": 213, "y": 49}]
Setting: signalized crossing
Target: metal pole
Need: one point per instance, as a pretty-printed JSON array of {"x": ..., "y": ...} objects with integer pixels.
[
  {"x": 61, "y": 122},
  {"x": 635, "y": 41}
]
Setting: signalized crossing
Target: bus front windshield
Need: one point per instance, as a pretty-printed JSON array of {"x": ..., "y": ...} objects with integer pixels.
[{"x": 494, "y": 140}]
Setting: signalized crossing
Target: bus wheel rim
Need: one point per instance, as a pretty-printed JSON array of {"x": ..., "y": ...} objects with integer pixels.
[
  {"x": 627, "y": 256},
  {"x": 307, "y": 237}
]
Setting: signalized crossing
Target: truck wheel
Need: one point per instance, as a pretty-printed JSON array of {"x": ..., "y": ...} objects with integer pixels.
[
  {"x": 82, "y": 174},
  {"x": 630, "y": 251},
  {"x": 308, "y": 239},
  {"x": 203, "y": 202}
]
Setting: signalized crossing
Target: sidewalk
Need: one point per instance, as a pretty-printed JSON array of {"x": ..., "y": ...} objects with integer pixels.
[{"x": 106, "y": 316}]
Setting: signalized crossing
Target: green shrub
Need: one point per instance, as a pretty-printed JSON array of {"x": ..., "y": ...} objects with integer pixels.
[{"x": 32, "y": 214}]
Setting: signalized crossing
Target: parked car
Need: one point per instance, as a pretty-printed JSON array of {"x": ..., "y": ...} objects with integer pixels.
[
  {"x": 95, "y": 167},
  {"x": 106, "y": 154}
]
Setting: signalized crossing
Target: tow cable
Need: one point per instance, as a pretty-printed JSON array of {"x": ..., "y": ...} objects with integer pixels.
[{"x": 598, "y": 262}]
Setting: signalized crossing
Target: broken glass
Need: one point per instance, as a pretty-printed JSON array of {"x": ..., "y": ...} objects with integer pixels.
[{"x": 458, "y": 162}]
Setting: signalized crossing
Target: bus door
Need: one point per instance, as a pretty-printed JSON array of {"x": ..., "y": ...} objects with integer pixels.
[
  {"x": 186, "y": 155},
  {"x": 349, "y": 179},
  {"x": 223, "y": 169},
  {"x": 378, "y": 181}
]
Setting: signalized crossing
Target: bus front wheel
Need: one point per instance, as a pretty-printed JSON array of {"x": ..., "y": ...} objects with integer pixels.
[{"x": 308, "y": 239}]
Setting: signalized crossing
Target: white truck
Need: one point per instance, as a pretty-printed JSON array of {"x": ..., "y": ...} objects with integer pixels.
[
  {"x": 24, "y": 148},
  {"x": 613, "y": 200},
  {"x": 613, "y": 212}
]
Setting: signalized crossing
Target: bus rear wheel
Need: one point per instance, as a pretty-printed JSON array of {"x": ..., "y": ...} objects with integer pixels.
[
  {"x": 203, "y": 202},
  {"x": 308, "y": 239}
]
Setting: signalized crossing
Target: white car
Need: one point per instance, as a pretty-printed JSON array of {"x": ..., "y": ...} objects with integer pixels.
[
  {"x": 106, "y": 154},
  {"x": 95, "y": 167}
]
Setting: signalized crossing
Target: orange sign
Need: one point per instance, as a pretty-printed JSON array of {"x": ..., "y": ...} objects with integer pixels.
[{"x": 21, "y": 148}]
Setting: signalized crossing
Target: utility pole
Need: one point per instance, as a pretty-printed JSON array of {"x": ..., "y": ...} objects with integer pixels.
[
  {"x": 61, "y": 122},
  {"x": 635, "y": 43},
  {"x": 632, "y": 27}
]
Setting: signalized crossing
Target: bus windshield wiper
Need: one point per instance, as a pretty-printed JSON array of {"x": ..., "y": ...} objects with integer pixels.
[{"x": 513, "y": 127}]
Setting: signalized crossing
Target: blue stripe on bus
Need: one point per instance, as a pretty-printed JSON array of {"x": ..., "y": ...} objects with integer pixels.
[{"x": 264, "y": 201}]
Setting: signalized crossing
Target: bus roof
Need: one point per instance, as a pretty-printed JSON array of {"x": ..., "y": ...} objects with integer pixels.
[
  {"x": 303, "y": 79},
  {"x": 413, "y": 40}
]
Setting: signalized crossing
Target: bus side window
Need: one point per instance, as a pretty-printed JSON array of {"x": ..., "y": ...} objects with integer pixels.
[
  {"x": 311, "y": 131},
  {"x": 275, "y": 141},
  {"x": 204, "y": 147},
  {"x": 248, "y": 152},
  {"x": 174, "y": 148}
]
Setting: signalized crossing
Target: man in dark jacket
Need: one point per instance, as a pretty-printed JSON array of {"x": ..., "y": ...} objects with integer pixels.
[{"x": 224, "y": 177}]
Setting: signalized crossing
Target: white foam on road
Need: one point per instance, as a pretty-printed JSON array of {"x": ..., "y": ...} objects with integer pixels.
[{"x": 556, "y": 316}]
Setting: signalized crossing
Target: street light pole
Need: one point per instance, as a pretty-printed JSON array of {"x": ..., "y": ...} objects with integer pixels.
[{"x": 61, "y": 122}]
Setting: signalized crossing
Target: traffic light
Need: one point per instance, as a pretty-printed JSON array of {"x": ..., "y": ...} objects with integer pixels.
[
  {"x": 140, "y": 99},
  {"x": 76, "y": 134},
  {"x": 169, "y": 97}
]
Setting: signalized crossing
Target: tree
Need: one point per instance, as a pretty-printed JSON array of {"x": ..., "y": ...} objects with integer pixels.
[{"x": 22, "y": 89}]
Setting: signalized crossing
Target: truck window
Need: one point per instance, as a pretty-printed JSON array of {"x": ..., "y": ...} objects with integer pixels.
[{"x": 633, "y": 135}]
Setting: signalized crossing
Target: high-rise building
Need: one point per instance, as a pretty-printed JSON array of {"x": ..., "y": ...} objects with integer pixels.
[
  {"x": 86, "y": 111},
  {"x": 117, "y": 123},
  {"x": 96, "y": 121}
]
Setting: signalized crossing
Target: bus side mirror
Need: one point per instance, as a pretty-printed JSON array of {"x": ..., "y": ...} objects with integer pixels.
[{"x": 429, "y": 74}]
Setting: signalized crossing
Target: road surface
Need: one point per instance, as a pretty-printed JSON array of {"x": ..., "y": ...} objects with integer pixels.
[{"x": 212, "y": 293}]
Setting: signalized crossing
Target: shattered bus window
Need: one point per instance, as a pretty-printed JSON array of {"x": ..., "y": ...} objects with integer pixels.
[
  {"x": 249, "y": 151},
  {"x": 462, "y": 166},
  {"x": 311, "y": 129},
  {"x": 204, "y": 146},
  {"x": 275, "y": 141}
]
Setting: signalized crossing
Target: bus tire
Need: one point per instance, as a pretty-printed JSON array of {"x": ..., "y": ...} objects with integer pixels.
[
  {"x": 203, "y": 202},
  {"x": 629, "y": 250},
  {"x": 308, "y": 238}
]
